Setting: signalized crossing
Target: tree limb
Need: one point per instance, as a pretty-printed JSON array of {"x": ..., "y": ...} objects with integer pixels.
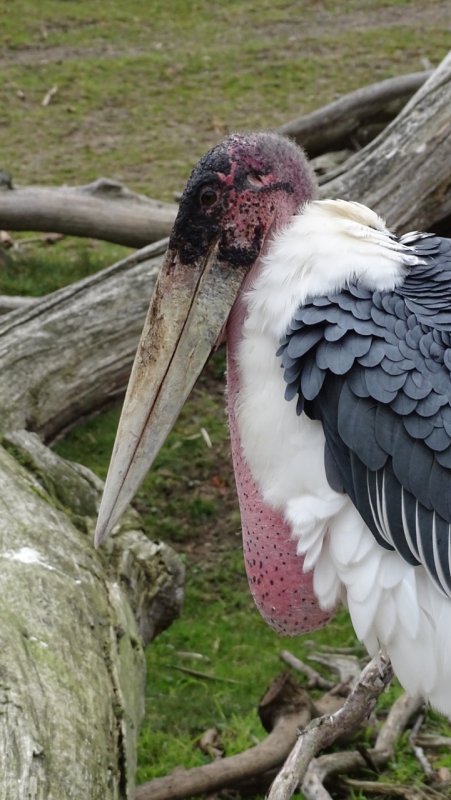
[
  {"x": 70, "y": 352},
  {"x": 104, "y": 209},
  {"x": 333, "y": 126},
  {"x": 325, "y": 767},
  {"x": 405, "y": 173},
  {"x": 324, "y": 731},
  {"x": 286, "y": 706}
]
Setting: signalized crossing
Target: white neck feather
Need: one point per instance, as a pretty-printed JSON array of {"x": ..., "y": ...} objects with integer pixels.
[{"x": 324, "y": 247}]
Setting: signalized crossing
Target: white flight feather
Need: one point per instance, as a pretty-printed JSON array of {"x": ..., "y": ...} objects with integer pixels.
[{"x": 392, "y": 604}]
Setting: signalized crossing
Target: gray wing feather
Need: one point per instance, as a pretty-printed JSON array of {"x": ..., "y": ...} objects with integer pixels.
[{"x": 375, "y": 368}]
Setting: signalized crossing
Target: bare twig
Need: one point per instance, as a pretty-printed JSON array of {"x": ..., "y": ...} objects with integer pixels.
[
  {"x": 49, "y": 96},
  {"x": 315, "y": 679},
  {"x": 194, "y": 656},
  {"x": 322, "y": 768},
  {"x": 398, "y": 716},
  {"x": 347, "y": 667},
  {"x": 391, "y": 789},
  {"x": 417, "y": 750},
  {"x": 195, "y": 673},
  {"x": 325, "y": 730},
  {"x": 331, "y": 127},
  {"x": 430, "y": 740}
]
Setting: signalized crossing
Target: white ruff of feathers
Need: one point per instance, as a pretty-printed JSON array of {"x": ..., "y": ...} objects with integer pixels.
[{"x": 392, "y": 604}]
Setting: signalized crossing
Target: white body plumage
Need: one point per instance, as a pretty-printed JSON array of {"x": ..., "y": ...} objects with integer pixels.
[{"x": 392, "y": 604}]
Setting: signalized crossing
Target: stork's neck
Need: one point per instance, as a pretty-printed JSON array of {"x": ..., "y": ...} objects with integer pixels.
[{"x": 282, "y": 592}]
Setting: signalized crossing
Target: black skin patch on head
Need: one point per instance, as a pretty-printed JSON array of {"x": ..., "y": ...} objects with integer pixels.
[{"x": 195, "y": 230}]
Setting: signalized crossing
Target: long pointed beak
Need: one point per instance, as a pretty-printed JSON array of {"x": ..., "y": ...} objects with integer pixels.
[{"x": 188, "y": 310}]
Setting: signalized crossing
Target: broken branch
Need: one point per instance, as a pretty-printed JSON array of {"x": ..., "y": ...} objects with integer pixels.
[
  {"x": 324, "y": 731},
  {"x": 334, "y": 126},
  {"x": 104, "y": 209}
]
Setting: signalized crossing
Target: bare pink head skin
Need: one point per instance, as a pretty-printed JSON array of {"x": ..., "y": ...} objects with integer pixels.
[{"x": 239, "y": 194}]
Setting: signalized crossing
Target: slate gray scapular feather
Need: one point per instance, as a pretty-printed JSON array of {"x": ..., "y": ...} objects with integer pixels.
[{"x": 361, "y": 361}]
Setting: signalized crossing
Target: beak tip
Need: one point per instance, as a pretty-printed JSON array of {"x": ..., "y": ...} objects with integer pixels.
[
  {"x": 102, "y": 530},
  {"x": 99, "y": 536}
]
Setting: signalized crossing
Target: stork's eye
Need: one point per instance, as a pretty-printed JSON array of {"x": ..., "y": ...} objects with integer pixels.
[{"x": 208, "y": 196}]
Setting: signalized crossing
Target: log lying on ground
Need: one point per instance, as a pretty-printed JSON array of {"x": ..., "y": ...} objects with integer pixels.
[
  {"x": 405, "y": 173},
  {"x": 101, "y": 210},
  {"x": 71, "y": 352},
  {"x": 337, "y": 125},
  {"x": 71, "y": 656}
]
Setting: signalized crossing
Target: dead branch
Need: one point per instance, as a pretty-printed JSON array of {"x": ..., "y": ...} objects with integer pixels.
[
  {"x": 284, "y": 710},
  {"x": 70, "y": 353},
  {"x": 337, "y": 125},
  {"x": 405, "y": 173},
  {"x": 417, "y": 749},
  {"x": 347, "y": 667},
  {"x": 104, "y": 209},
  {"x": 325, "y": 730},
  {"x": 10, "y": 302},
  {"x": 315, "y": 679},
  {"x": 323, "y": 768},
  {"x": 390, "y": 790}
]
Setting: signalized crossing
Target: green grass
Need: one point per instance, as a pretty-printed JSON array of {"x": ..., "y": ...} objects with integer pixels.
[
  {"x": 35, "y": 272},
  {"x": 143, "y": 89}
]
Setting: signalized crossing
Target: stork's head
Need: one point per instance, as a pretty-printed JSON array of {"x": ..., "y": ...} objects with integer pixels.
[{"x": 238, "y": 195}]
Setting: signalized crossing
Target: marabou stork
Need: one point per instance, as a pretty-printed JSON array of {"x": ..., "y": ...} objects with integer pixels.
[{"x": 339, "y": 399}]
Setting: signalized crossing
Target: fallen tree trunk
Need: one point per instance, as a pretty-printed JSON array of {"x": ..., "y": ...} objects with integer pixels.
[
  {"x": 337, "y": 125},
  {"x": 101, "y": 210},
  {"x": 70, "y": 352},
  {"x": 72, "y": 626},
  {"x": 405, "y": 173}
]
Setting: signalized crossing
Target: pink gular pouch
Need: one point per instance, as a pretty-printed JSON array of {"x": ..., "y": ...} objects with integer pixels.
[{"x": 282, "y": 591}]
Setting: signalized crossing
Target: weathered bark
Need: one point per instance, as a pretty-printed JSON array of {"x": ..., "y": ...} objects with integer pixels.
[
  {"x": 71, "y": 352},
  {"x": 337, "y": 125},
  {"x": 405, "y": 173},
  {"x": 101, "y": 210},
  {"x": 12, "y": 302},
  {"x": 71, "y": 627}
]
